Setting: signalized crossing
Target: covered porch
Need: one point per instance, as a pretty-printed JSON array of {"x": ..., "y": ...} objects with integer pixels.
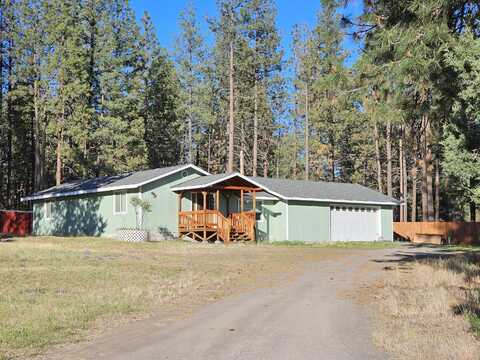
[{"x": 220, "y": 208}]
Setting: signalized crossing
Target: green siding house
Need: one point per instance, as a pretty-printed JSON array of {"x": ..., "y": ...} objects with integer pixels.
[{"x": 187, "y": 201}]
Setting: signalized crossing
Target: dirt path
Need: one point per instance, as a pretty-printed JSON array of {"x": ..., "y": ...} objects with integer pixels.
[{"x": 308, "y": 318}]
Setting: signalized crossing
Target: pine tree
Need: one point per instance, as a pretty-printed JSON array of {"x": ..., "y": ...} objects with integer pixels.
[
  {"x": 119, "y": 137},
  {"x": 265, "y": 65},
  {"x": 160, "y": 101},
  {"x": 190, "y": 60},
  {"x": 328, "y": 91}
]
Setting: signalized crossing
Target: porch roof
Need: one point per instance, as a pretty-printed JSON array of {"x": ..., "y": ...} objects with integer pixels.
[{"x": 205, "y": 182}]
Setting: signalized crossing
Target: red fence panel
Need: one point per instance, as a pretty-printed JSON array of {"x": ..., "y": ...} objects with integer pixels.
[{"x": 18, "y": 223}]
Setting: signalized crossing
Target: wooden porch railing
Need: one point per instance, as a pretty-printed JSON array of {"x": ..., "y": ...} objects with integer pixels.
[
  {"x": 204, "y": 220},
  {"x": 213, "y": 220},
  {"x": 244, "y": 222}
]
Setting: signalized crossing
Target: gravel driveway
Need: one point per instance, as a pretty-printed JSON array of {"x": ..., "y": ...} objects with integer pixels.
[{"x": 314, "y": 316}]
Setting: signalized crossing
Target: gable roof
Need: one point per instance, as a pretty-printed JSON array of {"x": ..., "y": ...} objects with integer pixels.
[
  {"x": 298, "y": 189},
  {"x": 126, "y": 181}
]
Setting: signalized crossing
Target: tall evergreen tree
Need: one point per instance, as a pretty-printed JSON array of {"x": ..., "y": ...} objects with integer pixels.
[{"x": 190, "y": 59}]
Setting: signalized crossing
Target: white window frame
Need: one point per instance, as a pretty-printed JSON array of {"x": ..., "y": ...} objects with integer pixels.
[
  {"x": 115, "y": 212},
  {"x": 48, "y": 212}
]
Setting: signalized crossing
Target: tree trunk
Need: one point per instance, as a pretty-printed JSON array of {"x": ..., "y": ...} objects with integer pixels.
[
  {"x": 429, "y": 173},
  {"x": 2, "y": 199},
  {"x": 423, "y": 163},
  {"x": 414, "y": 191},
  {"x": 9, "y": 123},
  {"x": 405, "y": 187},
  {"x": 295, "y": 141},
  {"x": 59, "y": 167},
  {"x": 473, "y": 207},
  {"x": 437, "y": 189},
  {"x": 265, "y": 167},
  {"x": 307, "y": 130},
  {"x": 58, "y": 172},
  {"x": 231, "y": 109},
  {"x": 209, "y": 149},
  {"x": 332, "y": 154},
  {"x": 377, "y": 158},
  {"x": 242, "y": 163},
  {"x": 39, "y": 145},
  {"x": 242, "y": 150},
  {"x": 389, "y": 159},
  {"x": 190, "y": 128},
  {"x": 255, "y": 129},
  {"x": 401, "y": 183}
]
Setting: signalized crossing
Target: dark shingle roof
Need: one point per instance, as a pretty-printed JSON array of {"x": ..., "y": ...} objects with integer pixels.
[
  {"x": 319, "y": 190},
  {"x": 130, "y": 180},
  {"x": 300, "y": 190}
]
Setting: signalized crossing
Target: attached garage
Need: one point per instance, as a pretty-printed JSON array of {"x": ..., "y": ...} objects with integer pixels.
[{"x": 312, "y": 211}]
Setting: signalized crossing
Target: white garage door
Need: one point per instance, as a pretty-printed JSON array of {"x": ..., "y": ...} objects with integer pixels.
[{"x": 354, "y": 223}]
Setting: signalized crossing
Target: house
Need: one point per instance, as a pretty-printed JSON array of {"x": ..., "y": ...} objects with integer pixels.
[{"x": 187, "y": 201}]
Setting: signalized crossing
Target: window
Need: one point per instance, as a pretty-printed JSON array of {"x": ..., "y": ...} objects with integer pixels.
[
  {"x": 120, "y": 203},
  {"x": 48, "y": 210},
  {"x": 259, "y": 212}
]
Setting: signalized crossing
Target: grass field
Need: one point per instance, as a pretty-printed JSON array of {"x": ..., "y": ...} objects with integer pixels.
[
  {"x": 59, "y": 290},
  {"x": 430, "y": 307}
]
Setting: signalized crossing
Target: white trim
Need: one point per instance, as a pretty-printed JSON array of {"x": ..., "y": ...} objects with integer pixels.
[
  {"x": 358, "y": 202},
  {"x": 45, "y": 205},
  {"x": 288, "y": 229},
  {"x": 113, "y": 188},
  {"x": 265, "y": 198},
  {"x": 140, "y": 211},
  {"x": 115, "y": 212},
  {"x": 229, "y": 176}
]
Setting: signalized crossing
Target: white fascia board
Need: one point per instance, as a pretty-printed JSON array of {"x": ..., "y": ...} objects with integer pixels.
[
  {"x": 263, "y": 198},
  {"x": 113, "y": 188},
  {"x": 339, "y": 201}
]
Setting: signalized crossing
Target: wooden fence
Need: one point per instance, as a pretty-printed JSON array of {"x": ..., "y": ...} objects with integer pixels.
[
  {"x": 18, "y": 223},
  {"x": 467, "y": 233}
]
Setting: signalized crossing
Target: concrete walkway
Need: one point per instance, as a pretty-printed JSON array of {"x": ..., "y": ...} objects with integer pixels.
[{"x": 307, "y": 318}]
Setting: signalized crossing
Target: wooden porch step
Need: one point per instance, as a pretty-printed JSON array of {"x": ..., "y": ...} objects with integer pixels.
[{"x": 239, "y": 236}]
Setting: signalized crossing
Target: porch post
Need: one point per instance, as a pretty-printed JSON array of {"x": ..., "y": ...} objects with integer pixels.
[
  {"x": 217, "y": 200},
  {"x": 180, "y": 195},
  {"x": 241, "y": 200},
  {"x": 204, "y": 215},
  {"x": 254, "y": 201}
]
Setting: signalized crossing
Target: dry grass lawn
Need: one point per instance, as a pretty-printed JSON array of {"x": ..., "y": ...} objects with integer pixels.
[
  {"x": 60, "y": 290},
  {"x": 430, "y": 309}
]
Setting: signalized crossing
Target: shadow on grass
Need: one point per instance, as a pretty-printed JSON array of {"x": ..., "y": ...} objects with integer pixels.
[
  {"x": 456, "y": 259},
  {"x": 6, "y": 238}
]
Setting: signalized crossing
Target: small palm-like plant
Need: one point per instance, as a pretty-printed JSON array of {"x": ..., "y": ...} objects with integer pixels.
[{"x": 143, "y": 205}]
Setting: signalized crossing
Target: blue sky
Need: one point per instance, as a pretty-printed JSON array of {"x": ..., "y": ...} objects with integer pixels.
[{"x": 165, "y": 15}]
